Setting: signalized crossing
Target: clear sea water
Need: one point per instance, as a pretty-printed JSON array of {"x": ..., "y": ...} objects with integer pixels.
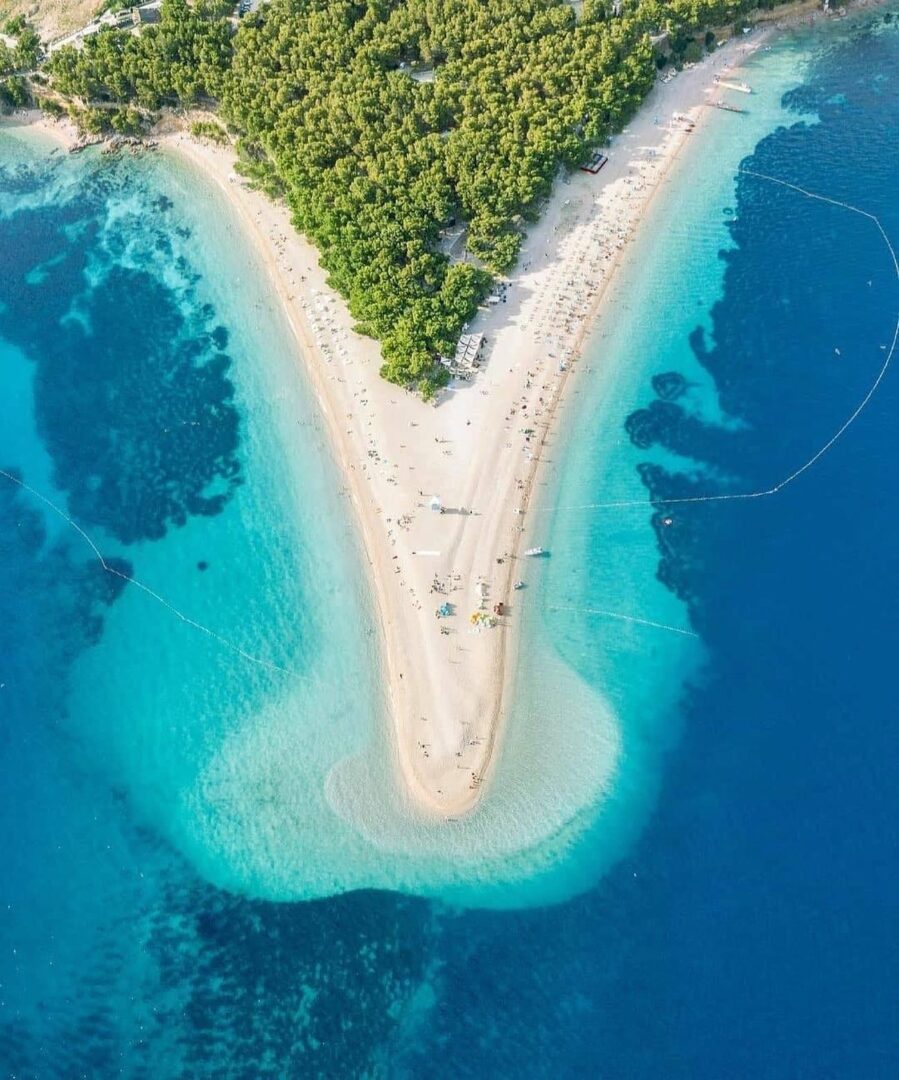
[{"x": 735, "y": 911}]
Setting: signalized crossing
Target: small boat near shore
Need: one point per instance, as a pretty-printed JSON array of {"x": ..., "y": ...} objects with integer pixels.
[
  {"x": 742, "y": 87},
  {"x": 727, "y": 108},
  {"x": 535, "y": 551}
]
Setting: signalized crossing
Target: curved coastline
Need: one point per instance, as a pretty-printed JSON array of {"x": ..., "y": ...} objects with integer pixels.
[
  {"x": 520, "y": 374},
  {"x": 470, "y": 452}
]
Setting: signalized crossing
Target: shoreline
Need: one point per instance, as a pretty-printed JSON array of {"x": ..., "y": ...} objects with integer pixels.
[
  {"x": 521, "y": 382},
  {"x": 470, "y": 449}
]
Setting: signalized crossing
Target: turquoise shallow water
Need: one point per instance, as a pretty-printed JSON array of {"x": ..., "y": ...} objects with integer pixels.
[
  {"x": 586, "y": 651},
  {"x": 233, "y": 699},
  {"x": 230, "y": 692},
  {"x": 180, "y": 436},
  {"x": 728, "y": 904}
]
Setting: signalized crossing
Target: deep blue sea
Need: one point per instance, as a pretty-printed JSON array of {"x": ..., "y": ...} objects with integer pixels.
[{"x": 750, "y": 927}]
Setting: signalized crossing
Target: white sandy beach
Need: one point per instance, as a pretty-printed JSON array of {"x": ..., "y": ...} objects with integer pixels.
[
  {"x": 478, "y": 448},
  {"x": 447, "y": 690}
]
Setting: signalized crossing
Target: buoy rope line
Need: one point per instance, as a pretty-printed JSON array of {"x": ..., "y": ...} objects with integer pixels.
[
  {"x": 765, "y": 492},
  {"x": 140, "y": 585},
  {"x": 844, "y": 427},
  {"x": 625, "y": 618},
  {"x": 619, "y": 504}
]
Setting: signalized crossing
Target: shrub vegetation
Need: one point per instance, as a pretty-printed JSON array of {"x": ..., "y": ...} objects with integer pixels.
[{"x": 374, "y": 162}]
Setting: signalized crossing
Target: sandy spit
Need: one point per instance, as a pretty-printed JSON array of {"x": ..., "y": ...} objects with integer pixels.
[{"x": 478, "y": 449}]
